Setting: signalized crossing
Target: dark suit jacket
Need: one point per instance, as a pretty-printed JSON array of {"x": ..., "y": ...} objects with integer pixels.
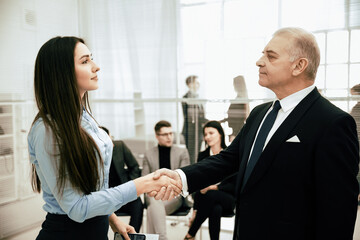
[
  {"x": 122, "y": 156},
  {"x": 228, "y": 184},
  {"x": 225, "y": 186},
  {"x": 303, "y": 190}
]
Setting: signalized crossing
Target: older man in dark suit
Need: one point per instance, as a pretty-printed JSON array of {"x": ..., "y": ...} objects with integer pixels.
[{"x": 297, "y": 157}]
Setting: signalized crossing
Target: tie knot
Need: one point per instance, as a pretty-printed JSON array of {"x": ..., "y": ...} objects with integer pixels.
[{"x": 276, "y": 106}]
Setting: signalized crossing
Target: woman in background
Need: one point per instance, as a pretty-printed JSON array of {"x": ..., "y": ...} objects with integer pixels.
[
  {"x": 215, "y": 200},
  {"x": 238, "y": 112},
  {"x": 70, "y": 155}
]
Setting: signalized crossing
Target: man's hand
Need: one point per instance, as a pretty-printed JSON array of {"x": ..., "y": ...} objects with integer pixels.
[
  {"x": 159, "y": 185},
  {"x": 168, "y": 193}
]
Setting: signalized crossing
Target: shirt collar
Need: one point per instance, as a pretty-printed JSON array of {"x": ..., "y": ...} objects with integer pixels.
[
  {"x": 211, "y": 152},
  {"x": 294, "y": 99}
]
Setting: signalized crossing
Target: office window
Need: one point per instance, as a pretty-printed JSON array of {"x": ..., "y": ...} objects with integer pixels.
[
  {"x": 355, "y": 47},
  {"x": 337, "y": 47},
  {"x": 231, "y": 35}
]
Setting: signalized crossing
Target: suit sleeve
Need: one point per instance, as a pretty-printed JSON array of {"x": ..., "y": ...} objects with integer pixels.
[
  {"x": 131, "y": 163},
  {"x": 146, "y": 166},
  {"x": 228, "y": 185},
  {"x": 214, "y": 169},
  {"x": 336, "y": 166}
]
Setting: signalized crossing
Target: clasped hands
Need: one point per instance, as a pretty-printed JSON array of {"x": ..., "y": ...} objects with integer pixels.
[{"x": 162, "y": 184}]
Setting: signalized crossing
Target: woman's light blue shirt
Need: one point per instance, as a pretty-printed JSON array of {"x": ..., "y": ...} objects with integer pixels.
[{"x": 76, "y": 205}]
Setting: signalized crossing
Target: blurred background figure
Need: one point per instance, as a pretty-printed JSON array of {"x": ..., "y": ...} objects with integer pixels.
[
  {"x": 194, "y": 118},
  {"x": 164, "y": 155},
  {"x": 355, "y": 113},
  {"x": 238, "y": 112},
  {"x": 215, "y": 200},
  {"x": 124, "y": 168}
]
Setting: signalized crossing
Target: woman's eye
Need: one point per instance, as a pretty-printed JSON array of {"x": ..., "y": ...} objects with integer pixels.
[{"x": 84, "y": 62}]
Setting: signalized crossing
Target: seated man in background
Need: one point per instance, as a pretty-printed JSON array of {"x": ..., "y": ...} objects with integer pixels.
[
  {"x": 122, "y": 157},
  {"x": 165, "y": 155}
]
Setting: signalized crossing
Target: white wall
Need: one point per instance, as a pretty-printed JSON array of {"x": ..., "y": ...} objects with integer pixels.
[{"x": 24, "y": 26}]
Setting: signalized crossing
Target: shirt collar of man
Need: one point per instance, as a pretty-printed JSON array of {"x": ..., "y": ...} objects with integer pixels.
[{"x": 291, "y": 101}]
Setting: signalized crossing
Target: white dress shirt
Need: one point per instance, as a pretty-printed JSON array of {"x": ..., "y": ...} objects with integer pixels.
[{"x": 287, "y": 105}]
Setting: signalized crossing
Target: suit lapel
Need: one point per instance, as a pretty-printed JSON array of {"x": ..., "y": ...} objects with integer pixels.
[
  {"x": 173, "y": 161},
  {"x": 282, "y": 133},
  {"x": 155, "y": 158},
  {"x": 249, "y": 142}
]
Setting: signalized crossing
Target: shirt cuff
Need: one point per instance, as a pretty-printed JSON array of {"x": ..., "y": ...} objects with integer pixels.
[
  {"x": 130, "y": 193},
  {"x": 184, "y": 190}
]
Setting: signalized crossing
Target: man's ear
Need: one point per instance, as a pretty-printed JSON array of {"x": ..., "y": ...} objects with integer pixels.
[{"x": 299, "y": 66}]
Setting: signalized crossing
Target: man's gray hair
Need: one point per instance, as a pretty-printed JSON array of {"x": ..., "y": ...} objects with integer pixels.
[{"x": 303, "y": 45}]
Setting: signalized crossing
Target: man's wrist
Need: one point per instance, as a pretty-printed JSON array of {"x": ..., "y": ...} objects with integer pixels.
[{"x": 184, "y": 190}]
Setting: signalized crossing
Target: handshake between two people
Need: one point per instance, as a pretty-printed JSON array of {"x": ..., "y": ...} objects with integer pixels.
[{"x": 164, "y": 184}]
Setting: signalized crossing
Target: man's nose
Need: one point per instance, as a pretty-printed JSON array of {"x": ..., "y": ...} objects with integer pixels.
[{"x": 260, "y": 63}]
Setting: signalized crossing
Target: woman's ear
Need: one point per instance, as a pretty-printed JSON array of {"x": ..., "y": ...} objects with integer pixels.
[{"x": 299, "y": 66}]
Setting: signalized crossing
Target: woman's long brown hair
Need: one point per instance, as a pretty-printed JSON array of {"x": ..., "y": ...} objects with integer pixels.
[{"x": 60, "y": 107}]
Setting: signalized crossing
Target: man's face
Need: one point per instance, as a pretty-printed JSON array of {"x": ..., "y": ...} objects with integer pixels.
[
  {"x": 165, "y": 136},
  {"x": 194, "y": 86},
  {"x": 275, "y": 68}
]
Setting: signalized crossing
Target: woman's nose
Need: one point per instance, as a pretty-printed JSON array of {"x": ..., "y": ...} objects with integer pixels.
[{"x": 96, "y": 67}]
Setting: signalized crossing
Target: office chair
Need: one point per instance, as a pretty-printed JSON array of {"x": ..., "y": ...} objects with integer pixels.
[{"x": 183, "y": 211}]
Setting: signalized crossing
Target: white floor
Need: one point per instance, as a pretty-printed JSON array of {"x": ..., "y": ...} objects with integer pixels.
[{"x": 178, "y": 231}]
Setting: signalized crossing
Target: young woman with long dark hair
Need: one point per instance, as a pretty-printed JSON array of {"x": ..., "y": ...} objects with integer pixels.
[{"x": 70, "y": 154}]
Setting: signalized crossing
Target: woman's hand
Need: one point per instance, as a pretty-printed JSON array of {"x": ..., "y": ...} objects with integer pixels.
[
  {"x": 170, "y": 192},
  {"x": 211, "y": 187},
  {"x": 161, "y": 183},
  {"x": 119, "y": 226}
]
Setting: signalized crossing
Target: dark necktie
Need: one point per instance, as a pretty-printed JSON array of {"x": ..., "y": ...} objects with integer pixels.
[{"x": 260, "y": 140}]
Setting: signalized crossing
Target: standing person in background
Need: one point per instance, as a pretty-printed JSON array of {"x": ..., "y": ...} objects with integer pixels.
[
  {"x": 71, "y": 155},
  {"x": 124, "y": 168},
  {"x": 215, "y": 200},
  {"x": 194, "y": 118},
  {"x": 297, "y": 157},
  {"x": 355, "y": 113},
  {"x": 164, "y": 155},
  {"x": 238, "y": 112}
]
